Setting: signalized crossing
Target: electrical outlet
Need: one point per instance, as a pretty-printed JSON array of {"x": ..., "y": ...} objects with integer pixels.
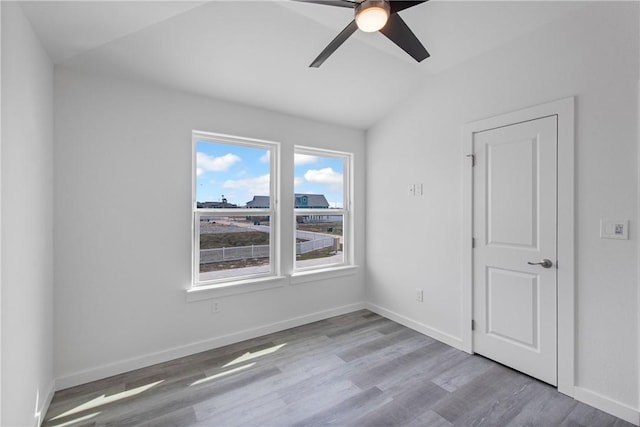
[
  {"x": 419, "y": 295},
  {"x": 215, "y": 307}
]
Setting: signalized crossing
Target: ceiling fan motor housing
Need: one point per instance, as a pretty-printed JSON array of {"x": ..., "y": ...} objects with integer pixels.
[{"x": 372, "y": 15}]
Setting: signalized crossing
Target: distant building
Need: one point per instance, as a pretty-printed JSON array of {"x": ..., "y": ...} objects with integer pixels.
[
  {"x": 258, "y": 202},
  {"x": 303, "y": 201},
  {"x": 311, "y": 201},
  {"x": 216, "y": 205}
]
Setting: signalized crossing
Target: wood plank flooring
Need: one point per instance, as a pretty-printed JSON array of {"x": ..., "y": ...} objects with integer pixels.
[{"x": 358, "y": 369}]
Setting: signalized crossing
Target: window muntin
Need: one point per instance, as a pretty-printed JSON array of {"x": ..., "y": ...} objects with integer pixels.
[
  {"x": 234, "y": 237},
  {"x": 322, "y": 217}
]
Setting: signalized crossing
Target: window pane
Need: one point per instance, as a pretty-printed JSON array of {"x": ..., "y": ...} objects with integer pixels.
[
  {"x": 233, "y": 246},
  {"x": 319, "y": 240},
  {"x": 231, "y": 176},
  {"x": 319, "y": 181}
]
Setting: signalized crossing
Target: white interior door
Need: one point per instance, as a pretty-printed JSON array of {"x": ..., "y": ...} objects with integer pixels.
[{"x": 514, "y": 225}]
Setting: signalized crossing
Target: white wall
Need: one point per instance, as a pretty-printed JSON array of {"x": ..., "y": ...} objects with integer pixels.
[
  {"x": 416, "y": 242},
  {"x": 638, "y": 222},
  {"x": 123, "y": 226},
  {"x": 0, "y": 215},
  {"x": 27, "y": 221}
]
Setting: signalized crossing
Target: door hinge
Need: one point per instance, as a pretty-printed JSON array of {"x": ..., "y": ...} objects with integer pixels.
[
  {"x": 473, "y": 242},
  {"x": 473, "y": 159},
  {"x": 473, "y": 325}
]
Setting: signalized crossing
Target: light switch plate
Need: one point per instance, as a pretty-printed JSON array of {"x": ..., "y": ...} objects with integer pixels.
[{"x": 614, "y": 229}]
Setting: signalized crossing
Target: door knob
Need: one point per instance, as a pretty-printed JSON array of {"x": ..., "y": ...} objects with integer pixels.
[{"x": 545, "y": 263}]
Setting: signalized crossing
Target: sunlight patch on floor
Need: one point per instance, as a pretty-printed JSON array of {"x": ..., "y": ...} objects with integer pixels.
[
  {"x": 250, "y": 356},
  {"x": 77, "y": 420},
  {"x": 222, "y": 374},
  {"x": 104, "y": 399}
]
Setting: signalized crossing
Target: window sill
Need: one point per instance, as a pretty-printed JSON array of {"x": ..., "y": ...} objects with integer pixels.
[
  {"x": 204, "y": 292},
  {"x": 322, "y": 274}
]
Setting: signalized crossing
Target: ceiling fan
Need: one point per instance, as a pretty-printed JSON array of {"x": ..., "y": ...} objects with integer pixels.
[{"x": 375, "y": 15}]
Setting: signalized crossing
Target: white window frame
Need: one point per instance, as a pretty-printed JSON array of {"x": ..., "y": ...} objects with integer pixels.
[
  {"x": 272, "y": 212},
  {"x": 345, "y": 211}
]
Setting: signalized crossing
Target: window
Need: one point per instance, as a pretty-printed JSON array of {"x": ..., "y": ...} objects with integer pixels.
[
  {"x": 234, "y": 209},
  {"x": 237, "y": 236},
  {"x": 322, "y": 203}
]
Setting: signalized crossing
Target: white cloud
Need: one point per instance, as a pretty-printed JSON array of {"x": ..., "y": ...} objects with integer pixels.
[
  {"x": 297, "y": 181},
  {"x": 265, "y": 157},
  {"x": 325, "y": 176},
  {"x": 256, "y": 186},
  {"x": 304, "y": 159},
  {"x": 207, "y": 163}
]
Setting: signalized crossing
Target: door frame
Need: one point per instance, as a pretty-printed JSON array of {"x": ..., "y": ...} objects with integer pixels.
[{"x": 564, "y": 110}]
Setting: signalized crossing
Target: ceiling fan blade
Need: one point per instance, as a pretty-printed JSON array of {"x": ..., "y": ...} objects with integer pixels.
[
  {"x": 397, "y": 6},
  {"x": 339, "y": 3},
  {"x": 335, "y": 43},
  {"x": 398, "y": 32}
]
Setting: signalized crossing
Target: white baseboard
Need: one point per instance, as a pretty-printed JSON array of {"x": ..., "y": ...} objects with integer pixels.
[
  {"x": 417, "y": 326},
  {"x": 607, "y": 405},
  {"x": 104, "y": 371},
  {"x": 43, "y": 405}
]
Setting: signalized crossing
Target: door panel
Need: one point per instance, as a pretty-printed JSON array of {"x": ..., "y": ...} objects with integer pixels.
[
  {"x": 515, "y": 191},
  {"x": 511, "y": 211},
  {"x": 512, "y": 306}
]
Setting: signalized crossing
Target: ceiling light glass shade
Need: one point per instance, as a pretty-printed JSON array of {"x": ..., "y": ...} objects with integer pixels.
[{"x": 372, "y": 15}]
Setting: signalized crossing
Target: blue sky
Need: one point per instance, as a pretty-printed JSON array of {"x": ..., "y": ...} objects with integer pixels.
[{"x": 239, "y": 173}]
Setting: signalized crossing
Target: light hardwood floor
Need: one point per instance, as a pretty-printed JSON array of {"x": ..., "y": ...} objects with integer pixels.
[{"x": 358, "y": 369}]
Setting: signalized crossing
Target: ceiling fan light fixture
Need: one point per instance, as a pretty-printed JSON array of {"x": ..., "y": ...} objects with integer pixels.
[{"x": 372, "y": 15}]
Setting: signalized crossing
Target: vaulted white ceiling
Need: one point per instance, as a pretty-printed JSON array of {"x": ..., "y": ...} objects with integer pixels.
[{"x": 257, "y": 52}]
